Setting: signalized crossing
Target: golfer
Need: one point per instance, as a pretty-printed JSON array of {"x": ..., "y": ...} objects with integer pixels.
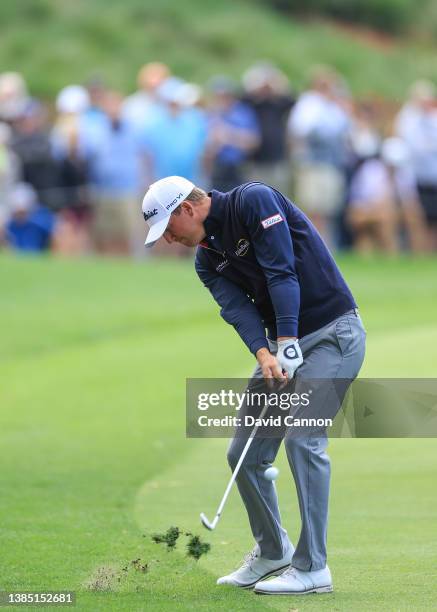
[{"x": 277, "y": 284}]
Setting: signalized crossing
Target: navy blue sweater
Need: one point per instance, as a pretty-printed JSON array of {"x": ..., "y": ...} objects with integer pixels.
[{"x": 267, "y": 266}]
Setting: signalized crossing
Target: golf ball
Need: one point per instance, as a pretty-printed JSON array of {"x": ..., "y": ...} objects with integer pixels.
[{"x": 271, "y": 473}]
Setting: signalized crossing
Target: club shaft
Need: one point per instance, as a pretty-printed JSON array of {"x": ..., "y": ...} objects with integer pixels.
[{"x": 237, "y": 467}]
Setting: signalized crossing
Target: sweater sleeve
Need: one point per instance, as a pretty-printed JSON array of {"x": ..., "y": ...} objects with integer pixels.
[
  {"x": 236, "y": 307},
  {"x": 262, "y": 210}
]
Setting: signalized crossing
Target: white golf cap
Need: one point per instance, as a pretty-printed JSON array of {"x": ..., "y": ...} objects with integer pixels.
[{"x": 161, "y": 199}]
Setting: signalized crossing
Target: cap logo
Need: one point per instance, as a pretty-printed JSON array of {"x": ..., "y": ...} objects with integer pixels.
[
  {"x": 150, "y": 213},
  {"x": 177, "y": 198}
]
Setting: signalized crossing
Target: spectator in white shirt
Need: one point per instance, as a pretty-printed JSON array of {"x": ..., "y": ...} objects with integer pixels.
[
  {"x": 384, "y": 202},
  {"x": 416, "y": 124},
  {"x": 319, "y": 126}
]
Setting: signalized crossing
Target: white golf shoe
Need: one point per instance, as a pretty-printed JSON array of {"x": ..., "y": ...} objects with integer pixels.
[
  {"x": 296, "y": 582},
  {"x": 256, "y": 568}
]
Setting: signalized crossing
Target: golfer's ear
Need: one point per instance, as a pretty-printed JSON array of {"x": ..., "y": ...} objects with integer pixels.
[{"x": 187, "y": 207}]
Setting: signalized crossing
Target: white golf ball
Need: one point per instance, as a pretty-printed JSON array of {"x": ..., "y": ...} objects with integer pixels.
[{"x": 271, "y": 473}]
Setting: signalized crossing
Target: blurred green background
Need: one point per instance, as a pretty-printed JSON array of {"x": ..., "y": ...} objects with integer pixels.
[{"x": 198, "y": 38}]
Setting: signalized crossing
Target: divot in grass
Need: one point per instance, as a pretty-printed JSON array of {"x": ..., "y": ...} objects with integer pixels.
[{"x": 103, "y": 579}]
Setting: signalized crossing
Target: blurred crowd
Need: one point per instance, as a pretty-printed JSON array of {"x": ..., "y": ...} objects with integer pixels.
[{"x": 72, "y": 173}]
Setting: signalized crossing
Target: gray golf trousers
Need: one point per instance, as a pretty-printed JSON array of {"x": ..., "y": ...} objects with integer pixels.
[{"x": 335, "y": 351}]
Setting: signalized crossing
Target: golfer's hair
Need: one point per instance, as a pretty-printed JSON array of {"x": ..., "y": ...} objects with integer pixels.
[{"x": 194, "y": 197}]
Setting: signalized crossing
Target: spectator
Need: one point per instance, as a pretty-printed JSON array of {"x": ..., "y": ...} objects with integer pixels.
[
  {"x": 268, "y": 95},
  {"x": 176, "y": 140},
  {"x": 319, "y": 127},
  {"x": 31, "y": 143},
  {"x": 416, "y": 124},
  {"x": 13, "y": 96},
  {"x": 365, "y": 136},
  {"x": 9, "y": 171},
  {"x": 142, "y": 107},
  {"x": 403, "y": 189},
  {"x": 365, "y": 141},
  {"x": 383, "y": 198},
  {"x": 96, "y": 92},
  {"x": 72, "y": 104},
  {"x": 31, "y": 226},
  {"x": 233, "y": 135},
  {"x": 113, "y": 152}
]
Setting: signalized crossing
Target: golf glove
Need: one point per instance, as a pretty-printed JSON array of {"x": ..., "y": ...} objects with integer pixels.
[
  {"x": 273, "y": 346},
  {"x": 289, "y": 356}
]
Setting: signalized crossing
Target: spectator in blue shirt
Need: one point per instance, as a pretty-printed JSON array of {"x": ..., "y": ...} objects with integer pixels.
[
  {"x": 233, "y": 135},
  {"x": 113, "y": 152},
  {"x": 31, "y": 226},
  {"x": 176, "y": 139}
]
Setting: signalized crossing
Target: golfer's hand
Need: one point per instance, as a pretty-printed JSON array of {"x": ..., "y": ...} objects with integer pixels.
[
  {"x": 289, "y": 356},
  {"x": 270, "y": 367}
]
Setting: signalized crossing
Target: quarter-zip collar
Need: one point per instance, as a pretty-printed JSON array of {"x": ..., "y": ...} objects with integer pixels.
[{"x": 213, "y": 223}]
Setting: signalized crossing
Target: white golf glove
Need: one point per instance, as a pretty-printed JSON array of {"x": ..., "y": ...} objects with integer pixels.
[
  {"x": 273, "y": 346},
  {"x": 289, "y": 356}
]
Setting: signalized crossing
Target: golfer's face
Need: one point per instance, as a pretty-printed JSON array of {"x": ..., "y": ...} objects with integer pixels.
[{"x": 184, "y": 229}]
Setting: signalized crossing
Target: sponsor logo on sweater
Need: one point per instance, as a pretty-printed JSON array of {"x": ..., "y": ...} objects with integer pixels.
[
  {"x": 222, "y": 265},
  {"x": 271, "y": 221},
  {"x": 242, "y": 247}
]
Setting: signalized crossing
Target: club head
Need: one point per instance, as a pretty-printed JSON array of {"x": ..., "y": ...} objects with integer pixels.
[{"x": 206, "y": 523}]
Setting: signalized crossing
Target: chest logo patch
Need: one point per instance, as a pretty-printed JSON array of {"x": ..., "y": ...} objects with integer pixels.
[
  {"x": 271, "y": 221},
  {"x": 242, "y": 247}
]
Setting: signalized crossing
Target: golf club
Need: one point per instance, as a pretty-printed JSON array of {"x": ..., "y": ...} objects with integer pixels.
[{"x": 203, "y": 518}]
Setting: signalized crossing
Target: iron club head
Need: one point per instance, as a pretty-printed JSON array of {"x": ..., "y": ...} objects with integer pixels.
[{"x": 205, "y": 522}]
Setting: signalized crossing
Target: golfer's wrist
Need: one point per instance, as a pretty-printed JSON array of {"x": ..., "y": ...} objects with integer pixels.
[{"x": 262, "y": 354}]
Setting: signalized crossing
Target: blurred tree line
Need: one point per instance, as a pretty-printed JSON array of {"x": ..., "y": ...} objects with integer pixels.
[
  {"x": 393, "y": 16},
  {"x": 54, "y": 43}
]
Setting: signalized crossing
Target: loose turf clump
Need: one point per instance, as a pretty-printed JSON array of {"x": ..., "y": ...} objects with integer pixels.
[
  {"x": 170, "y": 537},
  {"x": 196, "y": 548}
]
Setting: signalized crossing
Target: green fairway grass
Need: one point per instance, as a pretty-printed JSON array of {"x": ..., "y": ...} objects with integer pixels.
[{"x": 94, "y": 356}]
